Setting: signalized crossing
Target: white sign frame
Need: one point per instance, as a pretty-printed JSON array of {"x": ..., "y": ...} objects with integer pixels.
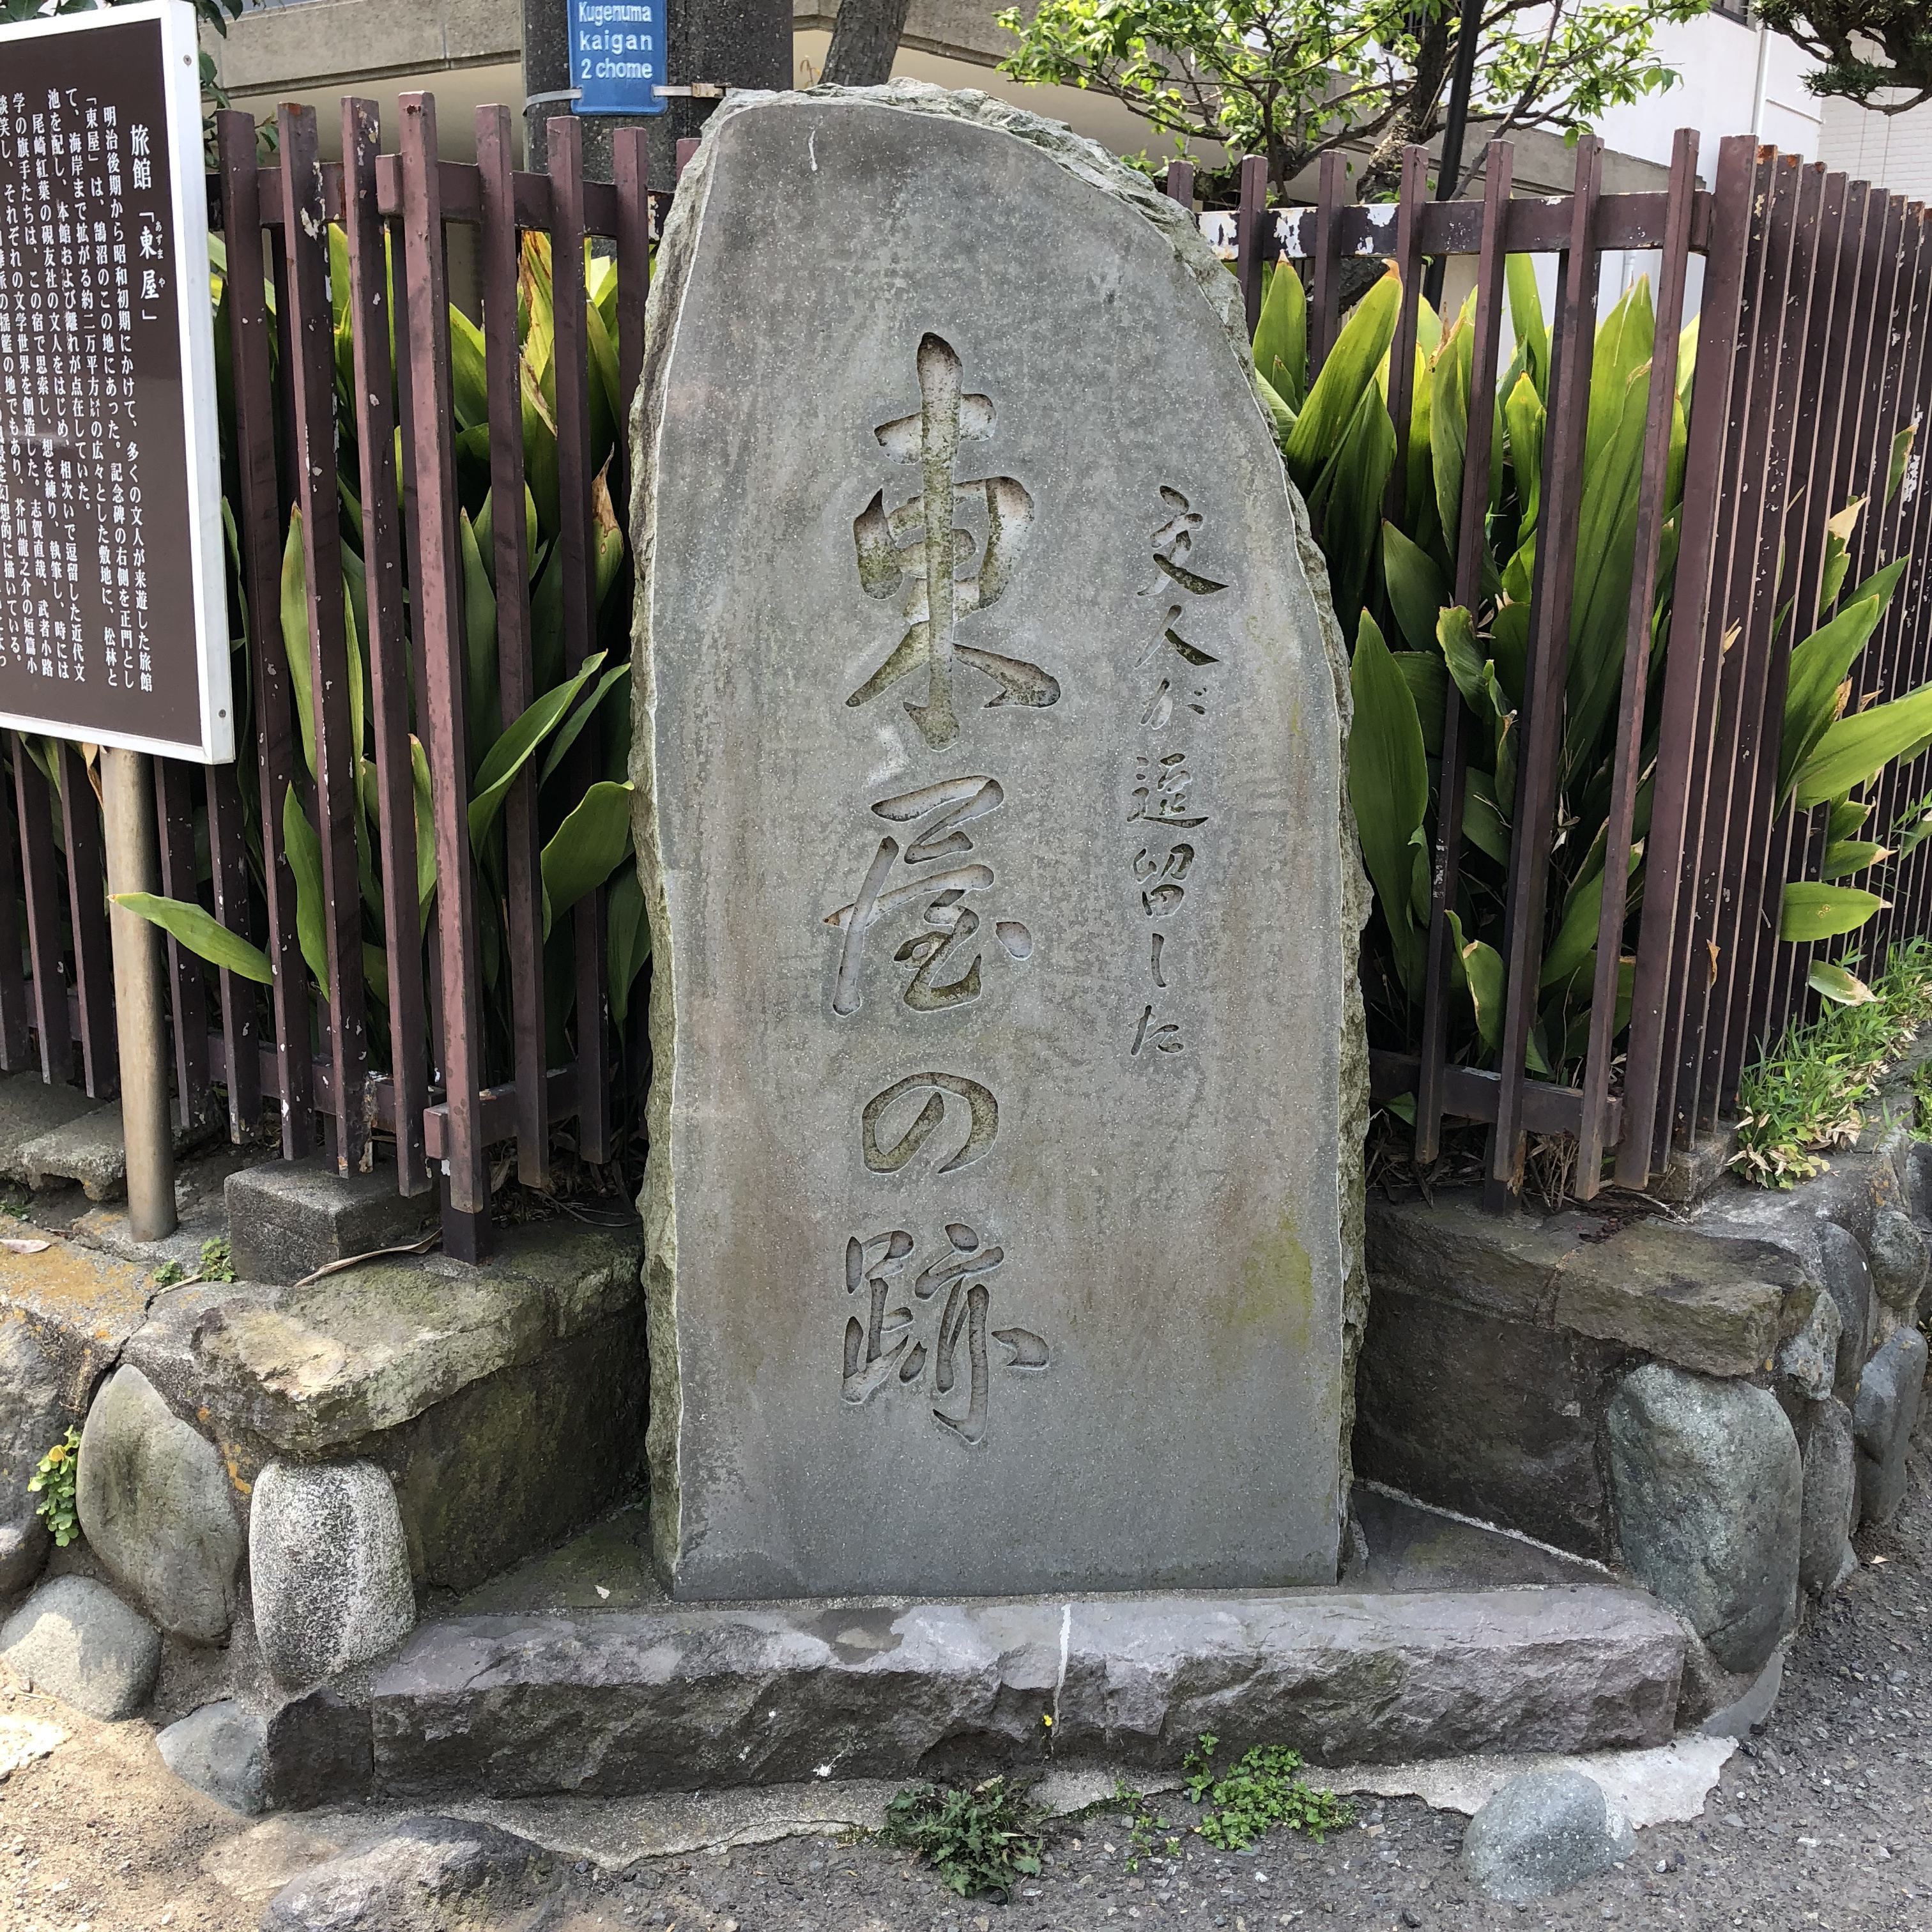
[{"x": 180, "y": 55}]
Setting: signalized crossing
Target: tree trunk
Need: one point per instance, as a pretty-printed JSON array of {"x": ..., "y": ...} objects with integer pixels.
[{"x": 865, "y": 37}]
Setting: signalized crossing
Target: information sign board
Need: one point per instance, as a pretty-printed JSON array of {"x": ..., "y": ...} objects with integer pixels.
[
  {"x": 113, "y": 617},
  {"x": 617, "y": 56}
]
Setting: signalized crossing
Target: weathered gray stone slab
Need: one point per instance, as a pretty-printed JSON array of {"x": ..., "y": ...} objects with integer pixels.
[
  {"x": 1002, "y": 1214},
  {"x": 686, "y": 1698},
  {"x": 287, "y": 1219}
]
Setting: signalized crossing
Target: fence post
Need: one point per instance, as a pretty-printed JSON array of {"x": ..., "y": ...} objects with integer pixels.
[
  {"x": 1633, "y": 686},
  {"x": 466, "y": 1216},
  {"x": 1685, "y": 736},
  {"x": 310, "y": 375}
]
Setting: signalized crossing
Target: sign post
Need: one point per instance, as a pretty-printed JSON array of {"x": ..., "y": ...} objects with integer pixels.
[{"x": 113, "y": 615}]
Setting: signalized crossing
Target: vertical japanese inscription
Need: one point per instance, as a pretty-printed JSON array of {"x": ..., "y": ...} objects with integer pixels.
[
  {"x": 929, "y": 881},
  {"x": 97, "y": 607},
  {"x": 1175, "y": 675}
]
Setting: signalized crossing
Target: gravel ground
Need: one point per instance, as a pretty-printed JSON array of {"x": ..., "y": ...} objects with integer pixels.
[{"x": 1823, "y": 1820}]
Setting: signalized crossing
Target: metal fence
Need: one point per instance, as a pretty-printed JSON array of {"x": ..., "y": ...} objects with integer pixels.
[{"x": 1811, "y": 359}]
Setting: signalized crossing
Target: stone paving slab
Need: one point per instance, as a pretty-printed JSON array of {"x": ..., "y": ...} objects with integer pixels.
[{"x": 687, "y": 1698}]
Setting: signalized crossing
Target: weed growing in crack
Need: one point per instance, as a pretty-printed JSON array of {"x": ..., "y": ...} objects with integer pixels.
[
  {"x": 1260, "y": 1792},
  {"x": 980, "y": 1839}
]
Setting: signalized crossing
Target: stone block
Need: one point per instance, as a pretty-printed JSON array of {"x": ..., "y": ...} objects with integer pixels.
[
  {"x": 426, "y": 1874},
  {"x": 1492, "y": 1417},
  {"x": 30, "y": 1107},
  {"x": 687, "y": 1697},
  {"x": 513, "y": 1463},
  {"x": 90, "y": 1148},
  {"x": 317, "y": 1750},
  {"x": 75, "y": 1640},
  {"x": 328, "y": 1569},
  {"x": 1808, "y": 1360},
  {"x": 1709, "y": 1488},
  {"x": 217, "y": 1749},
  {"x": 287, "y": 1219},
  {"x": 33, "y": 1418},
  {"x": 1846, "y": 1276},
  {"x": 1898, "y": 1260},
  {"x": 1544, "y": 1833},
  {"x": 921, "y": 1071},
  {"x": 158, "y": 1509},
  {"x": 1890, "y": 1393},
  {"x": 1830, "y": 1496}
]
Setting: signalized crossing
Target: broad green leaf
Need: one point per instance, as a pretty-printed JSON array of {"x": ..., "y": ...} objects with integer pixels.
[
  {"x": 1388, "y": 785},
  {"x": 588, "y": 847},
  {"x": 1482, "y": 824},
  {"x": 486, "y": 533},
  {"x": 1523, "y": 418},
  {"x": 1818, "y": 666},
  {"x": 1901, "y": 455},
  {"x": 1576, "y": 941},
  {"x": 469, "y": 389},
  {"x": 540, "y": 456},
  {"x": 1347, "y": 378},
  {"x": 1281, "y": 338},
  {"x": 1449, "y": 429},
  {"x": 604, "y": 533},
  {"x": 1810, "y": 911},
  {"x": 1881, "y": 583},
  {"x": 508, "y": 754},
  {"x": 606, "y": 423},
  {"x": 1526, "y": 322},
  {"x": 1416, "y": 591},
  {"x": 574, "y": 724},
  {"x": 304, "y": 850},
  {"x": 1281, "y": 417},
  {"x": 1856, "y": 749},
  {"x": 1845, "y": 816},
  {"x": 375, "y": 971},
  {"x": 481, "y": 685},
  {"x": 630, "y": 940},
  {"x": 202, "y": 933},
  {"x": 1483, "y": 974},
  {"x": 1844, "y": 856},
  {"x": 295, "y": 634},
  {"x": 1351, "y": 516},
  {"x": 1837, "y": 554},
  {"x": 1834, "y": 983},
  {"x": 425, "y": 816},
  {"x": 1427, "y": 678}
]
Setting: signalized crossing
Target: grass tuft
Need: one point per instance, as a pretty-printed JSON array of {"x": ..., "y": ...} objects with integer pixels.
[{"x": 1806, "y": 1097}]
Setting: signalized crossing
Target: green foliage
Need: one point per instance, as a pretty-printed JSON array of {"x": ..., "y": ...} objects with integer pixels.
[
  {"x": 1149, "y": 1836},
  {"x": 53, "y": 1482},
  {"x": 978, "y": 1840},
  {"x": 1865, "y": 48},
  {"x": 1804, "y": 1097},
  {"x": 216, "y": 1264},
  {"x": 1391, "y": 575},
  {"x": 1260, "y": 1792},
  {"x": 1292, "y": 79},
  {"x": 570, "y": 743}
]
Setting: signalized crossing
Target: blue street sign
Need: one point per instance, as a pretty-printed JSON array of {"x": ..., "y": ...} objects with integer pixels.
[{"x": 617, "y": 56}]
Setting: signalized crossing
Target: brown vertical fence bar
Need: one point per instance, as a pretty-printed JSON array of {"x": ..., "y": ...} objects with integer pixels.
[
  {"x": 17, "y": 1017},
  {"x": 503, "y": 379},
  {"x": 187, "y": 994},
  {"x": 1325, "y": 318},
  {"x": 372, "y": 314},
  {"x": 310, "y": 379},
  {"x": 87, "y": 910},
  {"x": 228, "y": 861},
  {"x": 1572, "y": 346},
  {"x": 260, "y": 522},
  {"x": 630, "y": 166},
  {"x": 1471, "y": 547},
  {"x": 1178, "y": 183},
  {"x": 592, "y": 1081},
  {"x": 1250, "y": 234},
  {"x": 1739, "y": 894},
  {"x": 1673, "y": 274},
  {"x": 1689, "y": 685},
  {"x": 438, "y": 578},
  {"x": 32, "y": 795},
  {"x": 1415, "y": 193}
]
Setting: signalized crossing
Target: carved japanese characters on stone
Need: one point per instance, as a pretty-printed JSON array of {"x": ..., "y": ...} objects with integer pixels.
[{"x": 917, "y": 552}]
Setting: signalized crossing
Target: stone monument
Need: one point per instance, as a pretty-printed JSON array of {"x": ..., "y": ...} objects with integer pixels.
[{"x": 1003, "y": 1207}]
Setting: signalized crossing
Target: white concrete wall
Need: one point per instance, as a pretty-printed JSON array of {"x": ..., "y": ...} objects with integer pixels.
[{"x": 1890, "y": 151}]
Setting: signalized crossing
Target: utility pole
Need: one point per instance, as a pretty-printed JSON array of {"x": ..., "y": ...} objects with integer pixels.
[
  {"x": 637, "y": 62},
  {"x": 1449, "y": 169}
]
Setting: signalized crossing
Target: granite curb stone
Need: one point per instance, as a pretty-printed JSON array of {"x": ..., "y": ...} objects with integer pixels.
[{"x": 686, "y": 1697}]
